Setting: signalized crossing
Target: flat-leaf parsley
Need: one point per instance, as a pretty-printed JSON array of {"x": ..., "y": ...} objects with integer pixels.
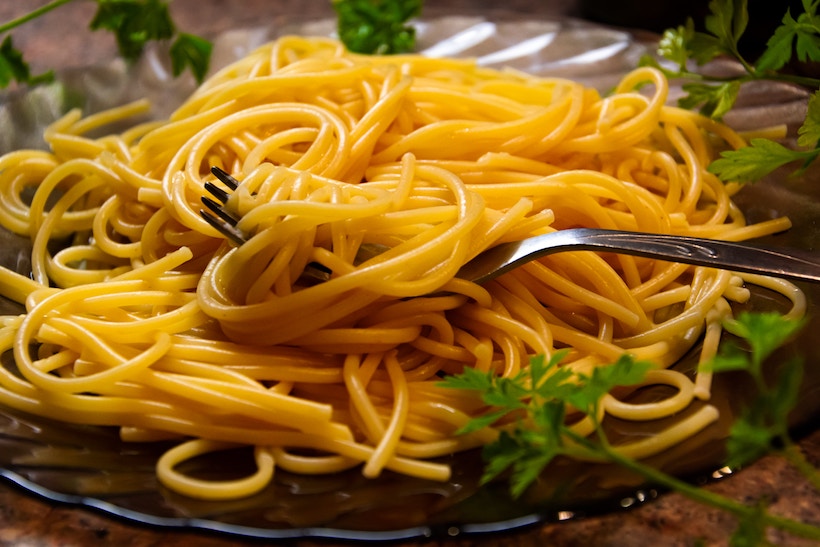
[{"x": 134, "y": 23}]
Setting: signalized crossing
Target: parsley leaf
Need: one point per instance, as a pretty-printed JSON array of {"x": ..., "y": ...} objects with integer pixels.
[
  {"x": 134, "y": 23},
  {"x": 764, "y": 422},
  {"x": 731, "y": 357},
  {"x": 14, "y": 68},
  {"x": 763, "y": 156},
  {"x": 763, "y": 426},
  {"x": 626, "y": 371},
  {"x": 533, "y": 407},
  {"x": 784, "y": 392},
  {"x": 801, "y": 35},
  {"x": 715, "y": 96},
  {"x": 377, "y": 26},
  {"x": 536, "y": 400},
  {"x": 674, "y": 44},
  {"x": 808, "y": 33},
  {"x": 189, "y": 51},
  {"x": 809, "y": 132},
  {"x": 749, "y": 439},
  {"x": 757, "y": 160},
  {"x": 750, "y": 528},
  {"x": 714, "y": 100},
  {"x": 704, "y": 47},
  {"x": 726, "y": 22},
  {"x": 764, "y": 332},
  {"x": 779, "y": 47}
]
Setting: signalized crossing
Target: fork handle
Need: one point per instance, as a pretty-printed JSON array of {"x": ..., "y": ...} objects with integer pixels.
[{"x": 791, "y": 264}]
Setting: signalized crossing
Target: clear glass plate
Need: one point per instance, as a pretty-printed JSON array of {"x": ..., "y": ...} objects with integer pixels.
[{"x": 90, "y": 466}]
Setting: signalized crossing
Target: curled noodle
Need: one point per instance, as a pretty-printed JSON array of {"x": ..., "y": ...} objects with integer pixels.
[{"x": 148, "y": 320}]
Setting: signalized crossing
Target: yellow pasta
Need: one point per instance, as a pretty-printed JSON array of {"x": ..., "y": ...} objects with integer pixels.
[{"x": 147, "y": 319}]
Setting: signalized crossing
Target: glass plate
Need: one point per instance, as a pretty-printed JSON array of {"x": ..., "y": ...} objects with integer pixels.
[{"x": 91, "y": 467}]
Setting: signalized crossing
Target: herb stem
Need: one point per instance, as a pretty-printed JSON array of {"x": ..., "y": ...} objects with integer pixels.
[
  {"x": 5, "y": 27},
  {"x": 806, "y": 81},
  {"x": 746, "y": 66},
  {"x": 704, "y": 496}
]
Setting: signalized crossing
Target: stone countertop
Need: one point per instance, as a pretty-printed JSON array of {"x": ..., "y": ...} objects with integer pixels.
[{"x": 26, "y": 520}]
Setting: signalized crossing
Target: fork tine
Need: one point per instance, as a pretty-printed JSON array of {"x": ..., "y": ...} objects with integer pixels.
[
  {"x": 215, "y": 208},
  {"x": 225, "y": 222},
  {"x": 215, "y": 215},
  {"x": 228, "y": 230},
  {"x": 226, "y": 179},
  {"x": 217, "y": 192}
]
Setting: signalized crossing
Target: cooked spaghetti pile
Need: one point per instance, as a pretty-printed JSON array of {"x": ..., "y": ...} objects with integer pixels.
[{"x": 140, "y": 315}]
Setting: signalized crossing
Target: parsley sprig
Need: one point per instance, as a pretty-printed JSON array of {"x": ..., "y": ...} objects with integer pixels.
[
  {"x": 763, "y": 426},
  {"x": 795, "y": 39},
  {"x": 377, "y": 26},
  {"x": 536, "y": 400},
  {"x": 529, "y": 412},
  {"x": 134, "y": 23}
]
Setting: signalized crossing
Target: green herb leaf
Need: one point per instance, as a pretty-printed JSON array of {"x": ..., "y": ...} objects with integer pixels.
[
  {"x": 134, "y": 23},
  {"x": 808, "y": 33},
  {"x": 764, "y": 332},
  {"x": 527, "y": 469},
  {"x": 727, "y": 22},
  {"x": 377, "y": 26},
  {"x": 500, "y": 456},
  {"x": 779, "y": 47},
  {"x": 14, "y": 68},
  {"x": 750, "y": 528},
  {"x": 548, "y": 380},
  {"x": 480, "y": 422},
  {"x": 470, "y": 378},
  {"x": 714, "y": 100},
  {"x": 731, "y": 357},
  {"x": 809, "y": 132},
  {"x": 499, "y": 392},
  {"x": 12, "y": 65},
  {"x": 704, "y": 47},
  {"x": 757, "y": 160},
  {"x": 506, "y": 392},
  {"x": 801, "y": 36},
  {"x": 784, "y": 392},
  {"x": 626, "y": 371},
  {"x": 542, "y": 391},
  {"x": 549, "y": 417},
  {"x": 537, "y": 398},
  {"x": 714, "y": 97},
  {"x": 674, "y": 44},
  {"x": 650, "y": 61},
  {"x": 683, "y": 43},
  {"x": 540, "y": 368},
  {"x": 765, "y": 420},
  {"x": 749, "y": 439},
  {"x": 189, "y": 51}
]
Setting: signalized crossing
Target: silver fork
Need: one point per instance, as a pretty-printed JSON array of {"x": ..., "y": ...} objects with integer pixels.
[{"x": 794, "y": 264}]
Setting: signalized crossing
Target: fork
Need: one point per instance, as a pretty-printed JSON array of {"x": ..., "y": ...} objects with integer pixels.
[{"x": 794, "y": 264}]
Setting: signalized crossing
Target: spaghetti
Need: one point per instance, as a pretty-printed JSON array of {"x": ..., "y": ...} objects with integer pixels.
[{"x": 148, "y": 320}]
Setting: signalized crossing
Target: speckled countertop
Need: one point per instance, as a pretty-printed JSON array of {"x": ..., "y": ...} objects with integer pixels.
[{"x": 26, "y": 520}]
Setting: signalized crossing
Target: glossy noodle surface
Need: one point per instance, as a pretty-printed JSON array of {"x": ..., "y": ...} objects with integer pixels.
[{"x": 142, "y": 316}]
